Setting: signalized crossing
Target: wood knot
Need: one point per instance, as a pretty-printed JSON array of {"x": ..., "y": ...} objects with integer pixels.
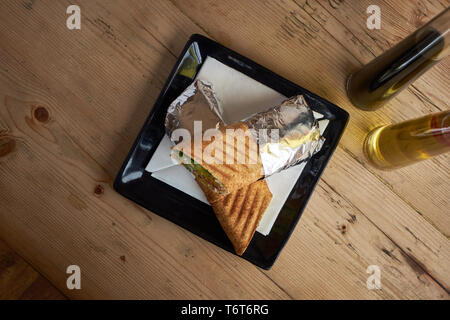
[
  {"x": 41, "y": 114},
  {"x": 7, "y": 260},
  {"x": 99, "y": 190},
  {"x": 342, "y": 228},
  {"x": 7, "y": 145}
]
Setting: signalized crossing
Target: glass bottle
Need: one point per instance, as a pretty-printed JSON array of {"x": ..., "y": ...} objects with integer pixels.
[
  {"x": 397, "y": 145},
  {"x": 385, "y": 76}
]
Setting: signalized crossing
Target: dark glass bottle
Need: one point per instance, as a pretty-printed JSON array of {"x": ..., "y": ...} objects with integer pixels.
[{"x": 385, "y": 76}]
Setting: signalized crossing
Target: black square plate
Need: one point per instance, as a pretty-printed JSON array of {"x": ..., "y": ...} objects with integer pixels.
[{"x": 138, "y": 185}]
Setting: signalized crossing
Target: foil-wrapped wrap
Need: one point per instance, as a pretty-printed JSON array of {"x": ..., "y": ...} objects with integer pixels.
[
  {"x": 198, "y": 102},
  {"x": 286, "y": 135}
]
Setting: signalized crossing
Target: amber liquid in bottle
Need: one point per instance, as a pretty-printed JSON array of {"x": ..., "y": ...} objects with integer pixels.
[
  {"x": 397, "y": 145},
  {"x": 395, "y": 69}
]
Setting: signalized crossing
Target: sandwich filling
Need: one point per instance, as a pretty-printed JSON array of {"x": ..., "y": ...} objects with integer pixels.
[{"x": 202, "y": 175}]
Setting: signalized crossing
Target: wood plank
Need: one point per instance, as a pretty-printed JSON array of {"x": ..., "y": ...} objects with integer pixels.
[
  {"x": 137, "y": 67},
  {"x": 410, "y": 231},
  {"x": 125, "y": 251},
  {"x": 41, "y": 289},
  {"x": 262, "y": 35},
  {"x": 331, "y": 249},
  {"x": 427, "y": 195},
  {"x": 15, "y": 274},
  {"x": 18, "y": 280},
  {"x": 189, "y": 248},
  {"x": 116, "y": 243}
]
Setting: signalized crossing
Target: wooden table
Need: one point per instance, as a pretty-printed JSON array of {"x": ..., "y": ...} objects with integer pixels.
[
  {"x": 73, "y": 101},
  {"x": 18, "y": 280}
]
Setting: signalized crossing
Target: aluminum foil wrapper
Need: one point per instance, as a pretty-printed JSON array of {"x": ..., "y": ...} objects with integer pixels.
[
  {"x": 197, "y": 103},
  {"x": 287, "y": 134}
]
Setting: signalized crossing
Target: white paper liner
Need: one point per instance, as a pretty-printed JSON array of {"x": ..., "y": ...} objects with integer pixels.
[{"x": 240, "y": 96}]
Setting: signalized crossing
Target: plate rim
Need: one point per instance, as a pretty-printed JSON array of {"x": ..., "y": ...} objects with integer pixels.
[{"x": 340, "y": 113}]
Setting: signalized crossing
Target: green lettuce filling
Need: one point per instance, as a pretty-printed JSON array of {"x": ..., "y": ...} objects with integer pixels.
[{"x": 202, "y": 175}]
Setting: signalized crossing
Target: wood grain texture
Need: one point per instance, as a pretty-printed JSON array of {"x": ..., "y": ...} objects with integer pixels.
[
  {"x": 72, "y": 102},
  {"x": 405, "y": 18},
  {"x": 305, "y": 35},
  {"x": 18, "y": 280}
]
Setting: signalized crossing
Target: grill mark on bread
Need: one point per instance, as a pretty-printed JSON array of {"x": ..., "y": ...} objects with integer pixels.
[
  {"x": 247, "y": 225},
  {"x": 239, "y": 213}
]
